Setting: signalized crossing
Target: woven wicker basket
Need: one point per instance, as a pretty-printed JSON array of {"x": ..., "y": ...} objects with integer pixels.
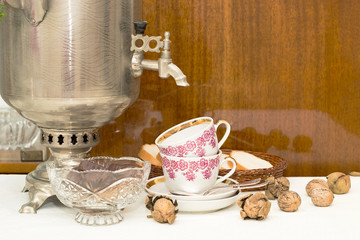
[
  {"x": 156, "y": 171},
  {"x": 279, "y": 165}
]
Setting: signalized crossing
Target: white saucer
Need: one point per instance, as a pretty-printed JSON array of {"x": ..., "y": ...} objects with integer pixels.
[
  {"x": 207, "y": 205},
  {"x": 194, "y": 203},
  {"x": 157, "y": 186}
]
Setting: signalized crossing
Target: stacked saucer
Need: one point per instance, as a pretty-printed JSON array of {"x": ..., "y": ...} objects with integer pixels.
[{"x": 218, "y": 199}]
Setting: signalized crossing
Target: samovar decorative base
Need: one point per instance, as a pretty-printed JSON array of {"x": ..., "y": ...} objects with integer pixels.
[
  {"x": 66, "y": 147},
  {"x": 39, "y": 189}
]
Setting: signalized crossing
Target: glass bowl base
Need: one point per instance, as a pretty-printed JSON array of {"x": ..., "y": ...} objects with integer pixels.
[{"x": 98, "y": 218}]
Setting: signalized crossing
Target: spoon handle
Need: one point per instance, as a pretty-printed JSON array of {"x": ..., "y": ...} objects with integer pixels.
[
  {"x": 240, "y": 184},
  {"x": 242, "y": 187},
  {"x": 249, "y": 182},
  {"x": 239, "y": 187}
]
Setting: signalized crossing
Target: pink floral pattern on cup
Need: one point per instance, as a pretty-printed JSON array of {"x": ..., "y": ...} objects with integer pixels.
[
  {"x": 189, "y": 168},
  {"x": 197, "y": 147},
  {"x": 193, "y": 174}
]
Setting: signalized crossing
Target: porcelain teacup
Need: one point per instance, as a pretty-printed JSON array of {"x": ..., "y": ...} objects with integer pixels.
[
  {"x": 193, "y": 175},
  {"x": 193, "y": 138}
]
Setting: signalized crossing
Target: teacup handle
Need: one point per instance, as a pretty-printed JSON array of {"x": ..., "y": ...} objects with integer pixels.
[
  {"x": 227, "y": 132},
  {"x": 229, "y": 173}
]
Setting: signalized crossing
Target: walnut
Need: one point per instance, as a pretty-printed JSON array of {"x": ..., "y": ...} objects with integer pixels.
[
  {"x": 289, "y": 201},
  {"x": 320, "y": 193},
  {"x": 276, "y": 186},
  {"x": 315, "y": 183},
  {"x": 162, "y": 208},
  {"x": 254, "y": 206},
  {"x": 322, "y": 197},
  {"x": 339, "y": 182},
  {"x": 354, "y": 174}
]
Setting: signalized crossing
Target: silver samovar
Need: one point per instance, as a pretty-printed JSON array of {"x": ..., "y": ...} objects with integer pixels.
[{"x": 70, "y": 67}]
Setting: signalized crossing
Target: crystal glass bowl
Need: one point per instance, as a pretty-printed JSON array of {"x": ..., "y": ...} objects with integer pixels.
[
  {"x": 15, "y": 131},
  {"x": 99, "y": 187}
]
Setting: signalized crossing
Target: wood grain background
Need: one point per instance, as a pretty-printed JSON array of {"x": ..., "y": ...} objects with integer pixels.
[{"x": 284, "y": 73}]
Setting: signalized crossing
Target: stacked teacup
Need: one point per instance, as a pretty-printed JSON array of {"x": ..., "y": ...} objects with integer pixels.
[{"x": 191, "y": 156}]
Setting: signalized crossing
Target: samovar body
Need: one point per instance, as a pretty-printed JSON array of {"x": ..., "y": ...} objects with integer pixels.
[
  {"x": 72, "y": 70},
  {"x": 72, "y": 66}
]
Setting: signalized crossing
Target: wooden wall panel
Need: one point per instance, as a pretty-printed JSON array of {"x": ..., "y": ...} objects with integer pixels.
[{"x": 284, "y": 73}]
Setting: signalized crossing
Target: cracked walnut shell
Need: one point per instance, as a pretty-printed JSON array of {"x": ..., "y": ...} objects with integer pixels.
[
  {"x": 276, "y": 186},
  {"x": 163, "y": 209},
  {"x": 254, "y": 206}
]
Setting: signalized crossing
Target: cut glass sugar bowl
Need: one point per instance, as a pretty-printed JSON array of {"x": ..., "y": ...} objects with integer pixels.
[
  {"x": 15, "y": 131},
  {"x": 99, "y": 187}
]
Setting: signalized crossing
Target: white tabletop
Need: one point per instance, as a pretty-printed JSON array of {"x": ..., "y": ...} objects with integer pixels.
[{"x": 55, "y": 221}]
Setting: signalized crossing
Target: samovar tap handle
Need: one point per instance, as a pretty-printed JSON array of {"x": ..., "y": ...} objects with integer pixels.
[{"x": 163, "y": 65}]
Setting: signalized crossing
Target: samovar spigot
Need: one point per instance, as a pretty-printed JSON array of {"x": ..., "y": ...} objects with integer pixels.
[{"x": 163, "y": 65}]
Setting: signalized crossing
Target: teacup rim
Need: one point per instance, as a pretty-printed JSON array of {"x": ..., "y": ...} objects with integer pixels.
[
  {"x": 186, "y": 158},
  {"x": 164, "y": 135}
]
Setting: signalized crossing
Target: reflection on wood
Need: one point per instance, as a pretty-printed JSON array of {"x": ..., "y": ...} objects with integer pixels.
[
  {"x": 17, "y": 167},
  {"x": 285, "y": 74}
]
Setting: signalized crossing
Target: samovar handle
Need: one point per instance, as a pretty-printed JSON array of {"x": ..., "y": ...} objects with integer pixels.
[{"x": 34, "y": 10}]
